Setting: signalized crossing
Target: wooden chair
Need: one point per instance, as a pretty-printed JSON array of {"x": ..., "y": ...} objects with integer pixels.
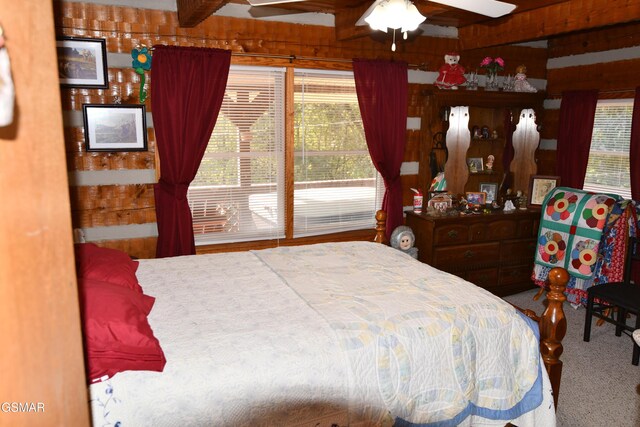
[{"x": 623, "y": 297}]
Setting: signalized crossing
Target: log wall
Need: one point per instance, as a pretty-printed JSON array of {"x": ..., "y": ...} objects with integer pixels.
[
  {"x": 121, "y": 214},
  {"x": 605, "y": 59}
]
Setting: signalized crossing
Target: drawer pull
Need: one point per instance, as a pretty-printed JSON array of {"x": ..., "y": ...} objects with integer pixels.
[
  {"x": 452, "y": 234},
  {"x": 469, "y": 254}
]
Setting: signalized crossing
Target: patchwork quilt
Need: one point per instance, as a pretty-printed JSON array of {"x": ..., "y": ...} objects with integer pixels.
[{"x": 580, "y": 231}]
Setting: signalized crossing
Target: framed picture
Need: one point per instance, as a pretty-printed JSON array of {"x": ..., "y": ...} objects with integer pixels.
[
  {"x": 490, "y": 189},
  {"x": 475, "y": 164},
  {"x": 539, "y": 187},
  {"x": 115, "y": 127},
  {"x": 476, "y": 198},
  {"x": 82, "y": 62}
]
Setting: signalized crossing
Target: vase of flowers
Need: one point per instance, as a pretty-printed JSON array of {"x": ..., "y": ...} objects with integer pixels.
[{"x": 492, "y": 65}]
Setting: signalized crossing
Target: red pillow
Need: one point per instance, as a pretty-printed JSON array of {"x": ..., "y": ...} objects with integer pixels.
[
  {"x": 106, "y": 265},
  {"x": 117, "y": 335}
]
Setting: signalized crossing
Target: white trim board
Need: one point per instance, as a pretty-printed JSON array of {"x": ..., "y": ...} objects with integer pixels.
[
  {"x": 120, "y": 232},
  {"x": 112, "y": 177},
  {"x": 591, "y": 58}
]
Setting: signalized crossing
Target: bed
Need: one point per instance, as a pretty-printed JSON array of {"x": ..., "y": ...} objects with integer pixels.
[{"x": 335, "y": 334}]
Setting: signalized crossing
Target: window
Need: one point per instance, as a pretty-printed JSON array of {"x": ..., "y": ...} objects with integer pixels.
[
  {"x": 239, "y": 191},
  {"x": 243, "y": 163},
  {"x": 336, "y": 186},
  {"x": 608, "y": 166}
]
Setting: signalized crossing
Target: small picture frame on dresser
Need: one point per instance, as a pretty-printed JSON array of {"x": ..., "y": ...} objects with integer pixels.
[
  {"x": 491, "y": 190},
  {"x": 476, "y": 199},
  {"x": 539, "y": 187}
]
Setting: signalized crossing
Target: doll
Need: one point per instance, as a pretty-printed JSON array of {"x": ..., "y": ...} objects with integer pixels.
[
  {"x": 403, "y": 239},
  {"x": 451, "y": 75},
  {"x": 520, "y": 83}
]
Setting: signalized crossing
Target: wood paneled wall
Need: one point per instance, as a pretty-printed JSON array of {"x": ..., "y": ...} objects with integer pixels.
[
  {"x": 117, "y": 205},
  {"x": 41, "y": 361},
  {"x": 608, "y": 63}
]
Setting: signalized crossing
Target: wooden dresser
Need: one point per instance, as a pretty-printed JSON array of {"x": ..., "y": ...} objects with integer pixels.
[{"x": 494, "y": 251}]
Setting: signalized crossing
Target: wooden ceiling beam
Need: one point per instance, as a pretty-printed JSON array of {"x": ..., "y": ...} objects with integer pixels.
[
  {"x": 545, "y": 22},
  {"x": 193, "y": 12},
  {"x": 345, "y": 22}
]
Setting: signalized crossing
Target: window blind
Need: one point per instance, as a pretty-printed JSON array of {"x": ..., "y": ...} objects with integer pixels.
[
  {"x": 336, "y": 186},
  {"x": 238, "y": 192},
  {"x": 608, "y": 166}
]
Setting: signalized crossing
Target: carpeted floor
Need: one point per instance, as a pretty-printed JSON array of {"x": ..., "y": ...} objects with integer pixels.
[{"x": 599, "y": 383}]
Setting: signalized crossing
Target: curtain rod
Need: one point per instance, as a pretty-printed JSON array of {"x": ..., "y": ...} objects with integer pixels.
[{"x": 292, "y": 58}]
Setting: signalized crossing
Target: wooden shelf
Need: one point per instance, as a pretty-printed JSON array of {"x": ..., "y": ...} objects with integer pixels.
[
  {"x": 486, "y": 99},
  {"x": 486, "y": 109}
]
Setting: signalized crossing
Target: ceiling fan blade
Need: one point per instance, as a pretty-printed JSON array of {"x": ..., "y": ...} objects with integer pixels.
[
  {"x": 491, "y": 8},
  {"x": 268, "y": 2}
]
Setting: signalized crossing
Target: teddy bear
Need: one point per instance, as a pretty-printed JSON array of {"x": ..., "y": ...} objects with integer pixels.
[{"x": 451, "y": 74}]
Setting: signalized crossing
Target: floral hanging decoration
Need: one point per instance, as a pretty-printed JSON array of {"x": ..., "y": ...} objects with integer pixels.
[{"x": 141, "y": 62}]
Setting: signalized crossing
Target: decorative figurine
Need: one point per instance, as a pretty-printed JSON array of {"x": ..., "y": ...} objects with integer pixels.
[
  {"x": 508, "y": 206},
  {"x": 451, "y": 75},
  {"x": 490, "y": 159},
  {"x": 520, "y": 83},
  {"x": 402, "y": 238}
]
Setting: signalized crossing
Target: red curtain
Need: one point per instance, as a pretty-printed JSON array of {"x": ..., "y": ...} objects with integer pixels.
[
  {"x": 187, "y": 88},
  {"x": 382, "y": 88},
  {"x": 575, "y": 126}
]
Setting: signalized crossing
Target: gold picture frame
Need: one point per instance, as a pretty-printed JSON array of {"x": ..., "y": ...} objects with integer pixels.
[{"x": 539, "y": 187}]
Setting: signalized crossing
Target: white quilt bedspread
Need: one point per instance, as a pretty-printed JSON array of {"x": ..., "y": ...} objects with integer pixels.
[{"x": 349, "y": 333}]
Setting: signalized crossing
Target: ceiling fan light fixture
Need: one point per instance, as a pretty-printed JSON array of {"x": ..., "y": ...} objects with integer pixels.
[{"x": 395, "y": 14}]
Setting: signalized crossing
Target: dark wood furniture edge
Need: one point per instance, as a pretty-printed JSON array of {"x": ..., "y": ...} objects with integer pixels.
[{"x": 552, "y": 323}]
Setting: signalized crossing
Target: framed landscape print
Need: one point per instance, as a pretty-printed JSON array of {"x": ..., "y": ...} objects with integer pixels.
[
  {"x": 115, "y": 127},
  {"x": 82, "y": 62},
  {"x": 539, "y": 187}
]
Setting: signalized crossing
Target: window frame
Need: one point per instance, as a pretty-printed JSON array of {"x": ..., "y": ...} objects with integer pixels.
[
  {"x": 604, "y": 188},
  {"x": 289, "y": 239}
]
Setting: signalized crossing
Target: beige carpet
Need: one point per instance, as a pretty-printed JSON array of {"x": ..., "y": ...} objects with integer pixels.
[{"x": 599, "y": 383}]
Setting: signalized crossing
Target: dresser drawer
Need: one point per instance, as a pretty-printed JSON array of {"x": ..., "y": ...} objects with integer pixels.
[
  {"x": 451, "y": 235},
  {"x": 527, "y": 228},
  {"x": 494, "y": 230},
  {"x": 466, "y": 257},
  {"x": 516, "y": 274},
  {"x": 518, "y": 251},
  {"x": 486, "y": 278}
]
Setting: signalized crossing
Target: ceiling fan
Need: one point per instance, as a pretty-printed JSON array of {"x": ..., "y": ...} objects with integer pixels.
[{"x": 490, "y": 8}]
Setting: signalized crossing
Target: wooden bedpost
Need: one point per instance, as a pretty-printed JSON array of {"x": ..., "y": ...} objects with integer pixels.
[
  {"x": 381, "y": 227},
  {"x": 553, "y": 326}
]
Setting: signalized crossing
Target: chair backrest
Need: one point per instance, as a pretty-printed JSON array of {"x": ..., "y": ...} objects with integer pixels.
[{"x": 633, "y": 255}]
